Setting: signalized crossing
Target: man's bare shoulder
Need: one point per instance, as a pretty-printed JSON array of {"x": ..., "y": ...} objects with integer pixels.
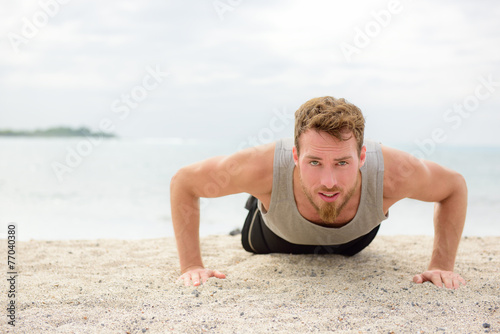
[
  {"x": 256, "y": 167},
  {"x": 405, "y": 176},
  {"x": 399, "y": 169}
]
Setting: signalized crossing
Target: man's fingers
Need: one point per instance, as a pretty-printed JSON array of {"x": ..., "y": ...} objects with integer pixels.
[
  {"x": 440, "y": 278},
  {"x": 196, "y": 278},
  {"x": 211, "y": 273},
  {"x": 218, "y": 274},
  {"x": 456, "y": 283},
  {"x": 436, "y": 280},
  {"x": 457, "y": 280},
  {"x": 447, "y": 280},
  {"x": 200, "y": 276},
  {"x": 418, "y": 279},
  {"x": 452, "y": 280},
  {"x": 434, "y": 277},
  {"x": 204, "y": 276},
  {"x": 186, "y": 278}
]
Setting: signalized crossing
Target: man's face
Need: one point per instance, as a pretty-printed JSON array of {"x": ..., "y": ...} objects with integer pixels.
[{"x": 329, "y": 171}]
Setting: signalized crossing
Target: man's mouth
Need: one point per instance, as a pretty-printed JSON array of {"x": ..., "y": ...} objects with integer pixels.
[{"x": 329, "y": 197}]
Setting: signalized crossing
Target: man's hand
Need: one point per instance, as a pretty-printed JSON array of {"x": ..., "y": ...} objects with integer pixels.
[
  {"x": 199, "y": 274},
  {"x": 449, "y": 279}
]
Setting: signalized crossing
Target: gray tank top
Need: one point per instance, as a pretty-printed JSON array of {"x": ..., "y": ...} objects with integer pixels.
[{"x": 284, "y": 219}]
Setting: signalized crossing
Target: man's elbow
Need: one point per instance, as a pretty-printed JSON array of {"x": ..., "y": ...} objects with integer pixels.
[
  {"x": 459, "y": 186},
  {"x": 461, "y": 183},
  {"x": 179, "y": 180}
]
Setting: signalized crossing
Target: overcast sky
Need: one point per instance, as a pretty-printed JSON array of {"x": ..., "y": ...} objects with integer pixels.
[{"x": 232, "y": 65}]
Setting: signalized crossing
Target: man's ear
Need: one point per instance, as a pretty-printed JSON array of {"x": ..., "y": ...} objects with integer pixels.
[
  {"x": 362, "y": 156},
  {"x": 295, "y": 156}
]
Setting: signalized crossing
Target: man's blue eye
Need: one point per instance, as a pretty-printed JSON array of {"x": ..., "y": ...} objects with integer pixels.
[
  {"x": 343, "y": 163},
  {"x": 314, "y": 163}
]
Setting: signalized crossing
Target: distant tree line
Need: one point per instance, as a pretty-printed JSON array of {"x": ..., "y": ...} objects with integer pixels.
[{"x": 57, "y": 132}]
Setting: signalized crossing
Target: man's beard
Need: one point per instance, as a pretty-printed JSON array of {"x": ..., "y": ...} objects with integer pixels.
[{"x": 329, "y": 211}]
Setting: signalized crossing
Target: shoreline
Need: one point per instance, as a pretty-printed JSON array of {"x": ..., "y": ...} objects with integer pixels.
[{"x": 109, "y": 285}]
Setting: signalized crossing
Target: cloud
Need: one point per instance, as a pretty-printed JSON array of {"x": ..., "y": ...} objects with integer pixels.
[{"x": 262, "y": 55}]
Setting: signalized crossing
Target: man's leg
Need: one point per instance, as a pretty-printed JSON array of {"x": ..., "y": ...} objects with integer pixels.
[
  {"x": 257, "y": 238},
  {"x": 252, "y": 237}
]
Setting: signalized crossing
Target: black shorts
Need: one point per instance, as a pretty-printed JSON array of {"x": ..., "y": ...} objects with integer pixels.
[{"x": 257, "y": 238}]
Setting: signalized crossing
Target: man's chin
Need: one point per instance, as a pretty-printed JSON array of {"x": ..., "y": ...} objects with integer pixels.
[{"x": 328, "y": 213}]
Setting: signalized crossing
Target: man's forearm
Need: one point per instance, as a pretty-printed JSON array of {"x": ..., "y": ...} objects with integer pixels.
[
  {"x": 449, "y": 220},
  {"x": 186, "y": 221}
]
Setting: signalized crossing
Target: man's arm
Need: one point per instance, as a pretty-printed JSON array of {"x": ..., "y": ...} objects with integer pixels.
[
  {"x": 409, "y": 177},
  {"x": 249, "y": 171}
]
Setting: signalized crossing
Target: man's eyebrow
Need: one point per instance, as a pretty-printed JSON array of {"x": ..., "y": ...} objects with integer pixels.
[
  {"x": 347, "y": 157},
  {"x": 312, "y": 157}
]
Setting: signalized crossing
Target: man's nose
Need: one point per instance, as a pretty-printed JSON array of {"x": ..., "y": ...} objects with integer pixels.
[{"x": 328, "y": 179}]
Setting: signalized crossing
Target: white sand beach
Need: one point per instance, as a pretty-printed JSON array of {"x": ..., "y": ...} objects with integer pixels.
[{"x": 117, "y": 286}]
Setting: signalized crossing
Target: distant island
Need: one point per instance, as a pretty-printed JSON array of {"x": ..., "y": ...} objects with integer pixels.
[{"x": 57, "y": 132}]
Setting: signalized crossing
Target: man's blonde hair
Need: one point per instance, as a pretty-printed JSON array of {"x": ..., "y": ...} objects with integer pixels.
[{"x": 336, "y": 117}]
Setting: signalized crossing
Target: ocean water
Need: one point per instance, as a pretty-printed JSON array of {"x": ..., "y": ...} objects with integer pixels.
[{"x": 62, "y": 189}]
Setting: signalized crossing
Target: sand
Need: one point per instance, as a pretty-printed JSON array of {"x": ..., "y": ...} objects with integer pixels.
[{"x": 117, "y": 286}]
